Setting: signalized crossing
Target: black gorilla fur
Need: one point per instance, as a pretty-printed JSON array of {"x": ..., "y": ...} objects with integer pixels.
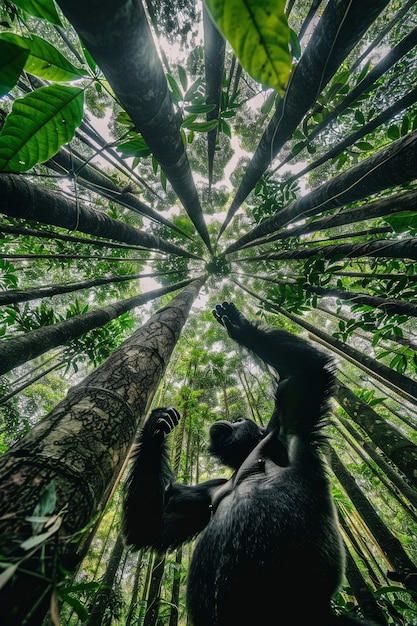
[{"x": 269, "y": 550}]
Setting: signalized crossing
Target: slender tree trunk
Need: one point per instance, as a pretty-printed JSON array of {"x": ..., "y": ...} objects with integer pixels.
[
  {"x": 339, "y": 29},
  {"x": 393, "y": 165},
  {"x": 76, "y": 452},
  {"x": 154, "y": 596},
  {"x": 214, "y": 51},
  {"x": 116, "y": 34},
  {"x": 18, "y": 350},
  {"x": 366, "y": 600},
  {"x": 400, "y": 450},
  {"x": 24, "y": 295},
  {"x": 21, "y": 198},
  {"x": 135, "y": 591},
  {"x": 391, "y": 249},
  {"x": 389, "y": 545},
  {"x": 371, "y": 450},
  {"x": 395, "y": 203},
  {"x": 176, "y": 586},
  {"x": 102, "y": 597}
]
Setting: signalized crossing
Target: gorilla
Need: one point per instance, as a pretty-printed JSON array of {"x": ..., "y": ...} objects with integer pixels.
[{"x": 269, "y": 549}]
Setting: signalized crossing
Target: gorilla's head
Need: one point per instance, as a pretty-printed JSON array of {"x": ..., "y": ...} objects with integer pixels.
[{"x": 232, "y": 442}]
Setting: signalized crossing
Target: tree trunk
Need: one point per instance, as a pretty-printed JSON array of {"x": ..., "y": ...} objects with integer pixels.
[
  {"x": 90, "y": 177},
  {"x": 102, "y": 597},
  {"x": 214, "y": 51},
  {"x": 133, "y": 600},
  {"x": 395, "y": 203},
  {"x": 175, "y": 593},
  {"x": 402, "y": 385},
  {"x": 400, "y": 450},
  {"x": 18, "y": 350},
  {"x": 376, "y": 72},
  {"x": 117, "y": 34},
  {"x": 154, "y": 597},
  {"x": 13, "y": 296},
  {"x": 389, "y": 545},
  {"x": 21, "y": 198},
  {"x": 368, "y": 605},
  {"x": 77, "y": 451},
  {"x": 393, "y": 165},
  {"x": 339, "y": 29}
]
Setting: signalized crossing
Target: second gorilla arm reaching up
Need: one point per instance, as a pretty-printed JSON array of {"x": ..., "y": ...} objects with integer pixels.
[{"x": 158, "y": 512}]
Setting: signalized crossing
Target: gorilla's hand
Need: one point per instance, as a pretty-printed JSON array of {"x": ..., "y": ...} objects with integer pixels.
[
  {"x": 163, "y": 420},
  {"x": 232, "y": 319}
]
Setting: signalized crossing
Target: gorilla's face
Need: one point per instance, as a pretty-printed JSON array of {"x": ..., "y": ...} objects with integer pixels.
[{"x": 232, "y": 442}]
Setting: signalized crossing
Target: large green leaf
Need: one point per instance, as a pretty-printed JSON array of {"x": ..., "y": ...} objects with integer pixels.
[
  {"x": 135, "y": 147},
  {"x": 12, "y": 61},
  {"x": 40, "y": 8},
  {"x": 259, "y": 34},
  {"x": 44, "y": 60},
  {"x": 38, "y": 125}
]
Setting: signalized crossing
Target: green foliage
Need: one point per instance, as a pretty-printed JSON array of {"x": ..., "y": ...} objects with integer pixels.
[
  {"x": 43, "y": 60},
  {"x": 38, "y": 125},
  {"x": 219, "y": 266},
  {"x": 258, "y": 33},
  {"x": 13, "y": 57},
  {"x": 44, "y": 9}
]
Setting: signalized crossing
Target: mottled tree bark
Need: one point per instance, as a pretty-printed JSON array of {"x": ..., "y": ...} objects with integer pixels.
[{"x": 81, "y": 445}]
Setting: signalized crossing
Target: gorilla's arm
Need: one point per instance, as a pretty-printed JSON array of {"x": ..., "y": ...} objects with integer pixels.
[
  {"x": 305, "y": 372},
  {"x": 157, "y": 512}
]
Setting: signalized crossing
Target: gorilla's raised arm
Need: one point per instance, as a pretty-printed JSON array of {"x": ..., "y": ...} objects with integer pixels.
[{"x": 159, "y": 513}]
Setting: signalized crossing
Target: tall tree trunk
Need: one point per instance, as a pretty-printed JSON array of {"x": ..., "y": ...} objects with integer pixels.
[
  {"x": 368, "y": 604},
  {"x": 133, "y": 602},
  {"x": 395, "y": 203},
  {"x": 400, "y": 450},
  {"x": 116, "y": 34},
  {"x": 77, "y": 451},
  {"x": 102, "y": 597},
  {"x": 154, "y": 596},
  {"x": 22, "y": 198},
  {"x": 339, "y": 29},
  {"x": 18, "y": 350},
  {"x": 176, "y": 586},
  {"x": 33, "y": 293},
  {"x": 389, "y": 545},
  {"x": 402, "y": 385},
  {"x": 393, "y": 165}
]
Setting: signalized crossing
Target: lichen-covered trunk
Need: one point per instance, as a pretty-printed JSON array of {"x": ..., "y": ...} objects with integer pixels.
[{"x": 80, "y": 448}]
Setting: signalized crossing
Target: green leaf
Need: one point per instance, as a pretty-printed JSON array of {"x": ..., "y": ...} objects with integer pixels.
[
  {"x": 225, "y": 128},
  {"x": 12, "y": 61},
  {"x": 298, "y": 147},
  {"x": 193, "y": 90},
  {"x": 259, "y": 34},
  {"x": 135, "y": 147},
  {"x": 359, "y": 117},
  {"x": 295, "y": 44},
  {"x": 268, "y": 104},
  {"x": 40, "y": 8},
  {"x": 364, "y": 145},
  {"x": 183, "y": 77},
  {"x": 202, "y": 127},
  {"x": 38, "y": 125},
  {"x": 176, "y": 91},
  {"x": 78, "y": 607},
  {"x": 200, "y": 108},
  {"x": 44, "y": 60},
  {"x": 403, "y": 221},
  {"x": 393, "y": 132}
]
